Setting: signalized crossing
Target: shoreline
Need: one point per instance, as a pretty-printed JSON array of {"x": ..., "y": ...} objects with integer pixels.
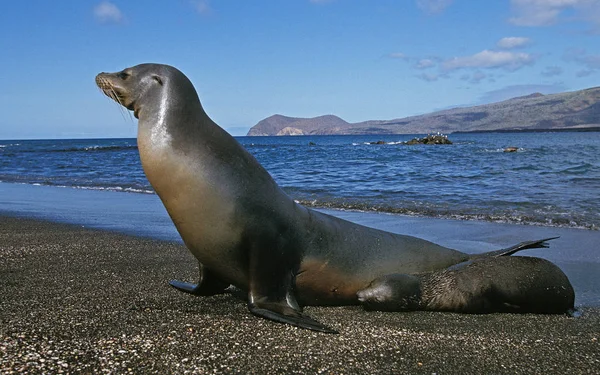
[
  {"x": 84, "y": 300},
  {"x": 24, "y": 205},
  {"x": 144, "y": 216}
]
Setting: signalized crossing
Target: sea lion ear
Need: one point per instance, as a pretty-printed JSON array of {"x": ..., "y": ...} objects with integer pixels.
[{"x": 158, "y": 79}]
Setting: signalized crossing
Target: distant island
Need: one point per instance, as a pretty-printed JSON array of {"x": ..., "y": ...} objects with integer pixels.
[{"x": 568, "y": 111}]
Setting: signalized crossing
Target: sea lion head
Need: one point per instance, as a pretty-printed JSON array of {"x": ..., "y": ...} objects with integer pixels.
[
  {"x": 395, "y": 292},
  {"x": 147, "y": 88}
]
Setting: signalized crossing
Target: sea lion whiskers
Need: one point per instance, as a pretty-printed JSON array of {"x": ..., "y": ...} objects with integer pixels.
[
  {"x": 108, "y": 90},
  {"x": 118, "y": 98}
]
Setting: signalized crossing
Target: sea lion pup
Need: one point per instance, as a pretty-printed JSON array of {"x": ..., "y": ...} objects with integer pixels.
[
  {"x": 240, "y": 226},
  {"x": 488, "y": 285}
]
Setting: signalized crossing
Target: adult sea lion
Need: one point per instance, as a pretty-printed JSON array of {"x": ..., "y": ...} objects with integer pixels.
[{"x": 241, "y": 227}]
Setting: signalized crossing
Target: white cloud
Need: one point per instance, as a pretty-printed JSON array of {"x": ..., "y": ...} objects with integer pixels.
[
  {"x": 591, "y": 63},
  {"x": 551, "y": 71},
  {"x": 398, "y": 55},
  {"x": 584, "y": 73},
  {"x": 107, "y": 12},
  {"x": 513, "y": 42},
  {"x": 202, "y": 6},
  {"x": 477, "y": 77},
  {"x": 424, "y": 64},
  {"x": 433, "y": 6},
  {"x": 429, "y": 77},
  {"x": 547, "y": 12},
  {"x": 533, "y": 13},
  {"x": 510, "y": 61}
]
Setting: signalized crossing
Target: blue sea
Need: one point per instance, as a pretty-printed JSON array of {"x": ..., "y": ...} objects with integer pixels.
[{"x": 552, "y": 180}]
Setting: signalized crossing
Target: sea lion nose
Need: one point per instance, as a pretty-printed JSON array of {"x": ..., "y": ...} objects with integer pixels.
[{"x": 100, "y": 80}]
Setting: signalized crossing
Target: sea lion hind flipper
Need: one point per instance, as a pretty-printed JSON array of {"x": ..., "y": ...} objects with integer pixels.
[
  {"x": 282, "y": 313},
  {"x": 208, "y": 284},
  {"x": 537, "y": 244}
]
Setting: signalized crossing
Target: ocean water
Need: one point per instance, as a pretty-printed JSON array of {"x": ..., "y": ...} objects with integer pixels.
[{"x": 552, "y": 180}]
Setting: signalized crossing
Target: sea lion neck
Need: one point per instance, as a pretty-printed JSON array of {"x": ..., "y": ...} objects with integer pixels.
[{"x": 171, "y": 114}]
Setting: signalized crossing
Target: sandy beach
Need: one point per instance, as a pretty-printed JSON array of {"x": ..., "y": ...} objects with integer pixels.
[
  {"x": 84, "y": 289},
  {"x": 76, "y": 300}
]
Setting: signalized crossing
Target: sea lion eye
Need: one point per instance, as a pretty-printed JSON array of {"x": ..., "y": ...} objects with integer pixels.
[
  {"x": 123, "y": 75},
  {"x": 158, "y": 79}
]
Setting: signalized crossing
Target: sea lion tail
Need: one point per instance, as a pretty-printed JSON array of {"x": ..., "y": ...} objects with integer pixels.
[{"x": 513, "y": 249}]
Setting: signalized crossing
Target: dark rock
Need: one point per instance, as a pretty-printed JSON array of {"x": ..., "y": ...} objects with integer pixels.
[{"x": 431, "y": 139}]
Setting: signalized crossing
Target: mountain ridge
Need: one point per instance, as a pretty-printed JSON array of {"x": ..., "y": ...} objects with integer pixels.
[{"x": 567, "y": 110}]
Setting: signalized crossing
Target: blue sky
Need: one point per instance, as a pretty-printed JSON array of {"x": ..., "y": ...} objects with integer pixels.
[{"x": 357, "y": 59}]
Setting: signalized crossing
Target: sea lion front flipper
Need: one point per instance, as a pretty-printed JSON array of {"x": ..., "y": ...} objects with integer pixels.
[
  {"x": 208, "y": 284},
  {"x": 282, "y": 313},
  {"x": 272, "y": 281}
]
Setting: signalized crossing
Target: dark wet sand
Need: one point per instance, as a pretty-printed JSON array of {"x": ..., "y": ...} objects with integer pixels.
[{"x": 75, "y": 300}]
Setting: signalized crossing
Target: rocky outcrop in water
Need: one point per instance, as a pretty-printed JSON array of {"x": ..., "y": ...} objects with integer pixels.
[
  {"x": 437, "y": 139},
  {"x": 431, "y": 139}
]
